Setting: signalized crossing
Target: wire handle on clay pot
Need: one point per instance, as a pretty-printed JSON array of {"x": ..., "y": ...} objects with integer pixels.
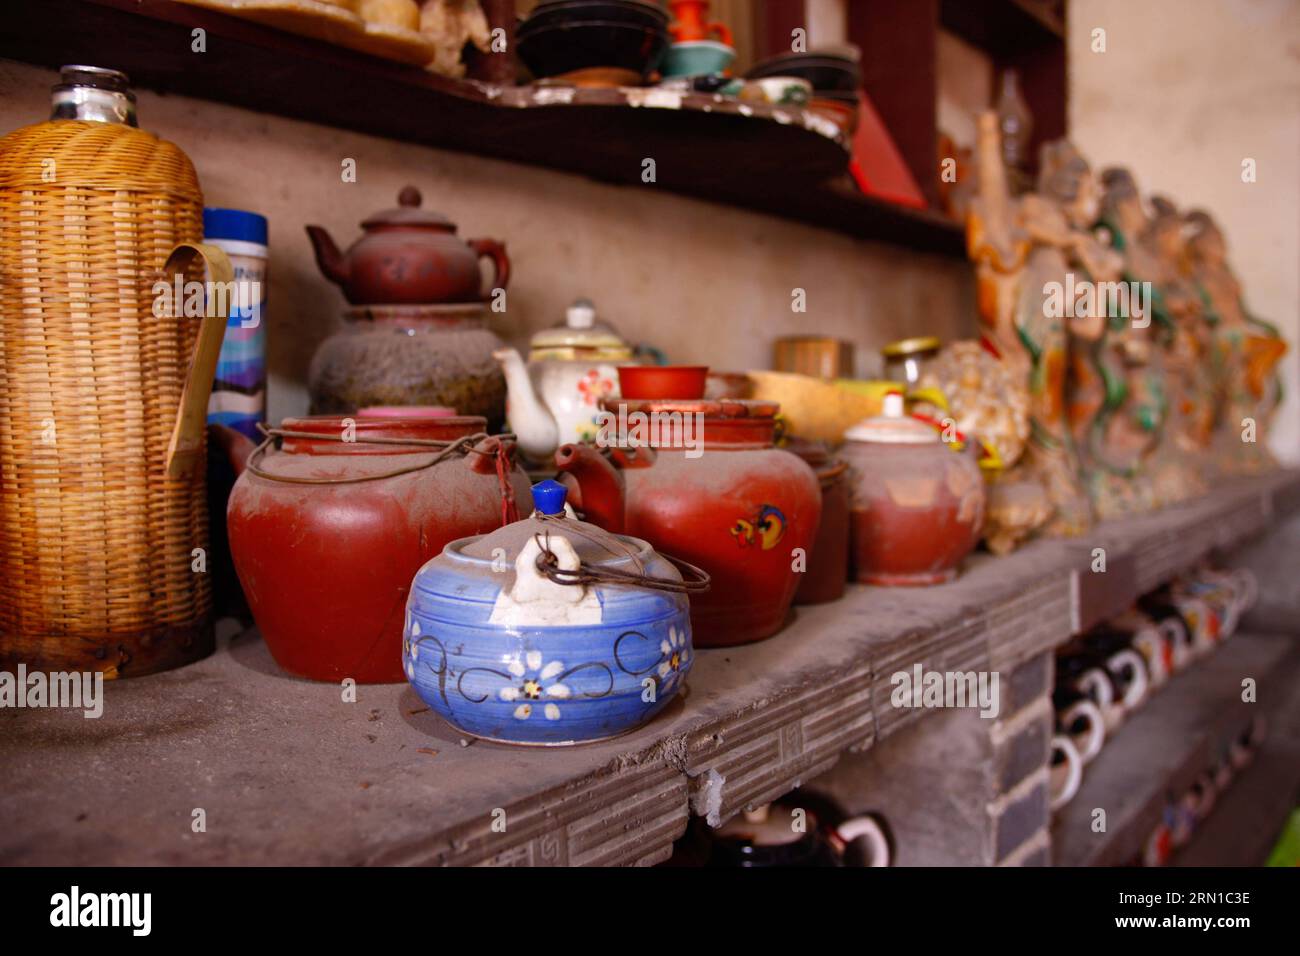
[{"x": 446, "y": 449}]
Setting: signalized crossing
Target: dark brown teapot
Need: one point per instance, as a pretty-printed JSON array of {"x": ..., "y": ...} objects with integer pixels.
[{"x": 409, "y": 256}]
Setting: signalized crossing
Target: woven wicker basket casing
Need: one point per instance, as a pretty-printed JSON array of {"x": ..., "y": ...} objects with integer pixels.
[{"x": 96, "y": 542}]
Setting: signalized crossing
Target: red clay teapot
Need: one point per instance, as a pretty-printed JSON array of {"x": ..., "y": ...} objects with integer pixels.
[{"x": 409, "y": 256}]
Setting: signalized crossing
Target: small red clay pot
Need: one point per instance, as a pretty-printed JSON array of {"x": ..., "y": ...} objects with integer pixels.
[
  {"x": 662, "y": 381},
  {"x": 827, "y": 572},
  {"x": 738, "y": 509},
  {"x": 326, "y": 566},
  {"x": 917, "y": 506}
]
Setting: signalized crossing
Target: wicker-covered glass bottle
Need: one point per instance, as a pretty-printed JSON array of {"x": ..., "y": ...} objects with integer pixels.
[{"x": 101, "y": 507}]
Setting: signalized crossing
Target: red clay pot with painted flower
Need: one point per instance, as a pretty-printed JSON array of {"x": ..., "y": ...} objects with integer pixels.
[
  {"x": 917, "y": 505},
  {"x": 716, "y": 492}
]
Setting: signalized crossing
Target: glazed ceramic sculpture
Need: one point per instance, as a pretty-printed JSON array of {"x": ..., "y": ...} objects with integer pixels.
[
  {"x": 722, "y": 497},
  {"x": 555, "y": 398},
  {"x": 917, "y": 506},
  {"x": 540, "y": 632},
  {"x": 1020, "y": 246},
  {"x": 327, "y": 531},
  {"x": 1247, "y": 351},
  {"x": 991, "y": 405},
  {"x": 1143, "y": 441}
]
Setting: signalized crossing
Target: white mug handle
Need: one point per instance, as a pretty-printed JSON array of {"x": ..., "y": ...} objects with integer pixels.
[
  {"x": 1176, "y": 634},
  {"x": 1074, "y": 766},
  {"x": 1096, "y": 727},
  {"x": 1137, "y": 687},
  {"x": 866, "y": 828},
  {"x": 1095, "y": 684},
  {"x": 1151, "y": 643},
  {"x": 1247, "y": 588}
]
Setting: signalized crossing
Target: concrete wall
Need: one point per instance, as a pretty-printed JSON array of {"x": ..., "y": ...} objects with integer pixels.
[
  {"x": 707, "y": 283},
  {"x": 1186, "y": 90}
]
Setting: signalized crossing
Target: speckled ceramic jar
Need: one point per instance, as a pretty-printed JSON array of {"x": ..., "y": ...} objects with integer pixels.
[{"x": 410, "y": 355}]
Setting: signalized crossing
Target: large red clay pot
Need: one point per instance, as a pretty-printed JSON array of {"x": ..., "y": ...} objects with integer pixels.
[
  {"x": 918, "y": 506},
  {"x": 326, "y": 536},
  {"x": 732, "y": 504}
]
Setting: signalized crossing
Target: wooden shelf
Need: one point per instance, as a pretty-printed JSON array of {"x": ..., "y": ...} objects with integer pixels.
[
  {"x": 1177, "y": 735},
  {"x": 288, "y": 773},
  {"x": 772, "y": 160}
]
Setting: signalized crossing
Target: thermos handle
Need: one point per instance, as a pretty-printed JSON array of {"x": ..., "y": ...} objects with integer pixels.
[
  {"x": 186, "y": 446},
  {"x": 722, "y": 30},
  {"x": 496, "y": 251}
]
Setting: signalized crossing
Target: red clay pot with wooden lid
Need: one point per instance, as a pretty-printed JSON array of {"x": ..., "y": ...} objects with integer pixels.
[
  {"x": 327, "y": 535},
  {"x": 918, "y": 506},
  {"x": 725, "y": 499}
]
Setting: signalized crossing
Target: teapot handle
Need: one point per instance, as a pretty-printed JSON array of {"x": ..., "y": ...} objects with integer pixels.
[
  {"x": 186, "y": 446},
  {"x": 500, "y": 261},
  {"x": 722, "y": 31}
]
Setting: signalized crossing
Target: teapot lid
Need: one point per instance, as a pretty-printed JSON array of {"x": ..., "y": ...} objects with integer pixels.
[
  {"x": 409, "y": 213},
  {"x": 553, "y": 516},
  {"x": 893, "y": 426},
  {"x": 580, "y": 329}
]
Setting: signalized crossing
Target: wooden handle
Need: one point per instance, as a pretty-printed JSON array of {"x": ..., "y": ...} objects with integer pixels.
[{"x": 186, "y": 446}]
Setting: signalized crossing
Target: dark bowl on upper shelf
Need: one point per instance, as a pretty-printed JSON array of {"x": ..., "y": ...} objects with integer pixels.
[
  {"x": 825, "y": 71},
  {"x": 632, "y": 12},
  {"x": 567, "y": 46}
]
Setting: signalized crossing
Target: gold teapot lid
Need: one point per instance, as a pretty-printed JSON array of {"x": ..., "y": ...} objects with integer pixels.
[
  {"x": 913, "y": 346},
  {"x": 580, "y": 331}
]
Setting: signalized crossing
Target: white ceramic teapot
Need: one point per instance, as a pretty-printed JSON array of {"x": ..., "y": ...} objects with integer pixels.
[{"x": 555, "y": 398}]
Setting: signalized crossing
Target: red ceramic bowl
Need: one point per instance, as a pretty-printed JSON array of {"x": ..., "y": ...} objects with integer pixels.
[{"x": 662, "y": 381}]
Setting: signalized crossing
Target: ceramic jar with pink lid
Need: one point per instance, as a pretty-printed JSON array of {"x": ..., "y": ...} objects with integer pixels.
[{"x": 918, "y": 506}]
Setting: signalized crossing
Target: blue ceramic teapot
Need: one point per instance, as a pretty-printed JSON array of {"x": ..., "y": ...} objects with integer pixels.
[{"x": 549, "y": 631}]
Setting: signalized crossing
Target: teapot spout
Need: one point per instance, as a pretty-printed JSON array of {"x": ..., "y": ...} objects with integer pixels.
[
  {"x": 530, "y": 420},
  {"x": 601, "y": 490},
  {"x": 329, "y": 259}
]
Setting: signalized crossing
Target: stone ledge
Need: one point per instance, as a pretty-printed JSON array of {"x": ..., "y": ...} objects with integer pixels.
[{"x": 289, "y": 774}]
